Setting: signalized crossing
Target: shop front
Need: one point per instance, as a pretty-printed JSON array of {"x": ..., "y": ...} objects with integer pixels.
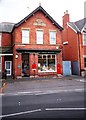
[{"x": 39, "y": 62}]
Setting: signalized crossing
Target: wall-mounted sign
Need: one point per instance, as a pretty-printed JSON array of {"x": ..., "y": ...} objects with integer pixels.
[{"x": 19, "y": 66}]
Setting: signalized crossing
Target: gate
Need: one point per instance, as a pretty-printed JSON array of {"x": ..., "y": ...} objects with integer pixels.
[
  {"x": 75, "y": 68},
  {"x": 66, "y": 68}
]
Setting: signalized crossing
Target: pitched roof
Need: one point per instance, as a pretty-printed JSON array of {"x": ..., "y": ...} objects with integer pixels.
[
  {"x": 78, "y": 25},
  {"x": 45, "y": 13},
  {"x": 6, "y": 27}
]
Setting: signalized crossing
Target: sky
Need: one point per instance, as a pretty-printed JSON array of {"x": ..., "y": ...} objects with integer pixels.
[{"x": 15, "y": 10}]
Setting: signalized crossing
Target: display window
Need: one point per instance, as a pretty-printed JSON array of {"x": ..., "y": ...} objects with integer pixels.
[{"x": 46, "y": 63}]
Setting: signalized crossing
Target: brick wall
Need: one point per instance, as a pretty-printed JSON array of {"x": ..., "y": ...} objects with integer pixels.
[
  {"x": 17, "y": 39},
  {"x": 6, "y": 39}
]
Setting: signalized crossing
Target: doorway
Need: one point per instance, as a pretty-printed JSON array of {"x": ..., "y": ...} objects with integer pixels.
[
  {"x": 8, "y": 67},
  {"x": 25, "y": 65},
  {"x": 75, "y": 68}
]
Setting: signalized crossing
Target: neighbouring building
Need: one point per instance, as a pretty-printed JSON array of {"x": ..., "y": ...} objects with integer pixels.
[
  {"x": 31, "y": 47},
  {"x": 74, "y": 43}
]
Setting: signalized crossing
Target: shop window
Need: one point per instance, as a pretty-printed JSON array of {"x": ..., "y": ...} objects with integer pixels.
[
  {"x": 39, "y": 36},
  {"x": 52, "y": 37},
  {"x": 25, "y": 36},
  {"x": 46, "y": 63},
  {"x": 84, "y": 62}
]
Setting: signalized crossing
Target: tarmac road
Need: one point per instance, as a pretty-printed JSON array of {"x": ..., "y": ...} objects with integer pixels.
[
  {"x": 44, "y": 98},
  {"x": 54, "y": 105}
]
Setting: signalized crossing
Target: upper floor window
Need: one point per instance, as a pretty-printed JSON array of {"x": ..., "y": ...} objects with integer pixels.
[
  {"x": 84, "y": 38},
  {"x": 39, "y": 36},
  {"x": 0, "y": 39},
  {"x": 25, "y": 36},
  {"x": 52, "y": 37}
]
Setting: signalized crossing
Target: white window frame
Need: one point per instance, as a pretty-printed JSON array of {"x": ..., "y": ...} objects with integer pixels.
[
  {"x": 84, "y": 40},
  {"x": 10, "y": 68},
  {"x": 52, "y": 37},
  {"x": 39, "y": 36},
  {"x": 1, "y": 63},
  {"x": 47, "y": 63},
  {"x": 25, "y": 38}
]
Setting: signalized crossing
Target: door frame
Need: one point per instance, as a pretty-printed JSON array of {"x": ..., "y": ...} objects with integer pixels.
[{"x": 10, "y": 67}]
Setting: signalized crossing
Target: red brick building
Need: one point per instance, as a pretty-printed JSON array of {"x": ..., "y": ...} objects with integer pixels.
[
  {"x": 32, "y": 46},
  {"x": 74, "y": 43}
]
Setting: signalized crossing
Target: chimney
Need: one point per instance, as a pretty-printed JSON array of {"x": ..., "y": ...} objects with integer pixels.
[{"x": 65, "y": 19}]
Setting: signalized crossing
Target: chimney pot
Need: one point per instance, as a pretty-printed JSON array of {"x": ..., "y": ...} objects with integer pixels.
[{"x": 66, "y": 12}]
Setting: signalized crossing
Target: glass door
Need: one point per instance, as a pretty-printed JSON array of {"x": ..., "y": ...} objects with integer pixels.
[{"x": 8, "y": 67}]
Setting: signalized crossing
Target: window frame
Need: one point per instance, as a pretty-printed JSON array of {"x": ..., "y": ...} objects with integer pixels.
[
  {"x": 84, "y": 40},
  {"x": 47, "y": 62},
  {"x": 52, "y": 38},
  {"x": 37, "y": 37},
  {"x": 27, "y": 37}
]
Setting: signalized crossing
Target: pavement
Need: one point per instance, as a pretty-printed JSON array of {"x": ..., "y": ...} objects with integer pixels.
[{"x": 42, "y": 85}]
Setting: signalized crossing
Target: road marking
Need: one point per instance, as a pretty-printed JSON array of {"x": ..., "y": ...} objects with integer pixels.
[
  {"x": 81, "y": 80},
  {"x": 41, "y": 92},
  {"x": 20, "y": 113},
  {"x": 49, "y": 109},
  {"x": 60, "y": 91}
]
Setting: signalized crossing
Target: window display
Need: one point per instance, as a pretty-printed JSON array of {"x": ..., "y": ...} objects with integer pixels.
[{"x": 46, "y": 63}]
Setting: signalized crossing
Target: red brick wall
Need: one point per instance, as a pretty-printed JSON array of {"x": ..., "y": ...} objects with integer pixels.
[
  {"x": 17, "y": 39},
  {"x": 74, "y": 50},
  {"x": 70, "y": 50},
  {"x": 6, "y": 39},
  {"x": 29, "y": 24}
]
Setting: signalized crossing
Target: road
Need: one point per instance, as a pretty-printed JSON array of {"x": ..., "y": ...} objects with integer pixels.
[{"x": 49, "y": 105}]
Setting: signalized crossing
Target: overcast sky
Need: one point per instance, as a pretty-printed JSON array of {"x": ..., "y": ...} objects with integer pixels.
[{"x": 15, "y": 10}]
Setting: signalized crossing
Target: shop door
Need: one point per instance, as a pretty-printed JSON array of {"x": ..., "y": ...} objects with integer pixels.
[
  {"x": 25, "y": 65},
  {"x": 8, "y": 67}
]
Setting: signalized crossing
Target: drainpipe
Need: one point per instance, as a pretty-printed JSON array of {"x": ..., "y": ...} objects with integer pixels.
[{"x": 79, "y": 56}]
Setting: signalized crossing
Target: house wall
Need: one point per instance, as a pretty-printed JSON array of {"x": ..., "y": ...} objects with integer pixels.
[
  {"x": 74, "y": 50},
  {"x": 6, "y": 39},
  {"x": 17, "y": 40},
  {"x": 5, "y": 44},
  {"x": 70, "y": 50}
]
